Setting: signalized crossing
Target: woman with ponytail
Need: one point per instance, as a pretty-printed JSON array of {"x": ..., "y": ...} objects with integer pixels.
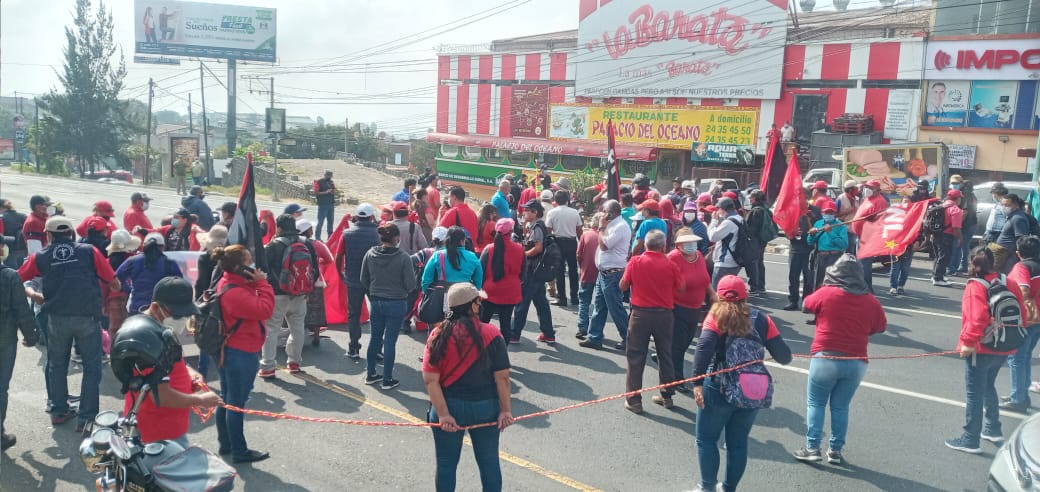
[
  {"x": 466, "y": 371},
  {"x": 503, "y": 264}
]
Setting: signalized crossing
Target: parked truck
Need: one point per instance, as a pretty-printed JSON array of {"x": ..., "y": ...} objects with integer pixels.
[{"x": 899, "y": 167}]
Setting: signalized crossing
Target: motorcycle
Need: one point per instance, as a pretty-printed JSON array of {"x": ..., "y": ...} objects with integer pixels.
[{"x": 114, "y": 451}]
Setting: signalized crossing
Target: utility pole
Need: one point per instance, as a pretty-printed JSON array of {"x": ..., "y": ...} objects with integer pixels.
[
  {"x": 205, "y": 126},
  {"x": 191, "y": 128},
  {"x": 274, "y": 138},
  {"x": 346, "y": 131},
  {"x": 148, "y": 136},
  {"x": 232, "y": 119},
  {"x": 39, "y": 138}
]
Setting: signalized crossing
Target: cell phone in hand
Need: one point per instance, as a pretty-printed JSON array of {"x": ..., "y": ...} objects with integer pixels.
[{"x": 246, "y": 271}]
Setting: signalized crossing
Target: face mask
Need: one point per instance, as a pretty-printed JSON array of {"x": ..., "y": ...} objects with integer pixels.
[
  {"x": 1006, "y": 210},
  {"x": 689, "y": 248},
  {"x": 690, "y": 216},
  {"x": 51, "y": 210},
  {"x": 175, "y": 222},
  {"x": 955, "y": 186},
  {"x": 868, "y": 192},
  {"x": 144, "y": 206},
  {"x": 828, "y": 217}
]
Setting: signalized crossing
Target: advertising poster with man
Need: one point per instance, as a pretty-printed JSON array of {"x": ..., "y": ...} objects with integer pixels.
[{"x": 947, "y": 103}]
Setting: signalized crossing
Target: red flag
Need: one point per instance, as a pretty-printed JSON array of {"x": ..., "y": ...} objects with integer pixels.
[
  {"x": 790, "y": 200},
  {"x": 335, "y": 290},
  {"x": 613, "y": 173},
  {"x": 893, "y": 232},
  {"x": 774, "y": 168}
]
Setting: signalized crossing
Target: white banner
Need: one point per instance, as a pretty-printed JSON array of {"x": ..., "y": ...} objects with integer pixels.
[
  {"x": 900, "y": 115},
  {"x": 204, "y": 30},
  {"x": 961, "y": 156},
  {"x": 677, "y": 48},
  {"x": 983, "y": 59}
]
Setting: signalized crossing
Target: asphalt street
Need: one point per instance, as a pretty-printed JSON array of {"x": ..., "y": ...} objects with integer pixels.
[{"x": 900, "y": 416}]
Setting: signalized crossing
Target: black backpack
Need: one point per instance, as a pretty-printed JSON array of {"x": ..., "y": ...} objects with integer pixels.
[
  {"x": 741, "y": 249},
  {"x": 1034, "y": 226},
  {"x": 1006, "y": 331},
  {"x": 549, "y": 263},
  {"x": 934, "y": 219},
  {"x": 211, "y": 334}
]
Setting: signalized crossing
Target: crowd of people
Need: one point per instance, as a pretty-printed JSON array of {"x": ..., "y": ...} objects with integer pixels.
[{"x": 663, "y": 267}]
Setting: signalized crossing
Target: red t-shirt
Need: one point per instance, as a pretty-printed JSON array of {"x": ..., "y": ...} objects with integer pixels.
[
  {"x": 695, "y": 276},
  {"x": 771, "y": 333},
  {"x": 485, "y": 238},
  {"x": 135, "y": 217},
  {"x": 1020, "y": 276},
  {"x": 587, "y": 247},
  {"x": 505, "y": 290},
  {"x": 34, "y": 229},
  {"x": 252, "y": 302},
  {"x": 975, "y": 316},
  {"x": 529, "y": 193},
  {"x": 462, "y": 216},
  {"x": 654, "y": 280},
  {"x": 460, "y": 354},
  {"x": 844, "y": 322},
  {"x": 162, "y": 423}
]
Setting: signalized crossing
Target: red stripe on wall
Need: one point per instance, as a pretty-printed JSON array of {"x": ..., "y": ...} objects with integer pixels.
[
  {"x": 794, "y": 61},
  {"x": 586, "y": 8},
  {"x": 557, "y": 71},
  {"x": 883, "y": 62},
  {"x": 485, "y": 71},
  {"x": 443, "y": 73},
  {"x": 836, "y": 61},
  {"x": 462, "y": 98},
  {"x": 533, "y": 66},
  {"x": 711, "y": 102},
  {"x": 505, "y": 98},
  {"x": 750, "y": 103},
  {"x": 676, "y": 101},
  {"x": 835, "y": 103},
  {"x": 643, "y": 101},
  {"x": 876, "y": 103}
]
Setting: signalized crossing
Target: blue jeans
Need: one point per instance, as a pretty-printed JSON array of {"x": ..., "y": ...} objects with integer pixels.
[
  {"x": 236, "y": 383},
  {"x": 533, "y": 292},
  {"x": 716, "y": 416},
  {"x": 900, "y": 270},
  {"x": 980, "y": 375},
  {"x": 7, "y": 356},
  {"x": 204, "y": 361},
  {"x": 607, "y": 298},
  {"x": 386, "y": 318},
  {"x": 1021, "y": 366},
  {"x": 834, "y": 380},
  {"x": 585, "y": 292},
  {"x": 326, "y": 214},
  {"x": 62, "y": 331},
  {"x": 867, "y": 265},
  {"x": 448, "y": 445},
  {"x": 721, "y": 271}
]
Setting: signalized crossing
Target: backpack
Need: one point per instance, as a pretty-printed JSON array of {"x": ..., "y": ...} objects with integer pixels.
[
  {"x": 750, "y": 386},
  {"x": 1005, "y": 331},
  {"x": 211, "y": 334},
  {"x": 297, "y": 273},
  {"x": 934, "y": 219},
  {"x": 769, "y": 230},
  {"x": 741, "y": 249},
  {"x": 549, "y": 263},
  {"x": 1034, "y": 226}
]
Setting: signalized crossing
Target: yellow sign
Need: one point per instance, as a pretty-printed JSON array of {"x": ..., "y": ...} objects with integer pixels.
[{"x": 661, "y": 127}]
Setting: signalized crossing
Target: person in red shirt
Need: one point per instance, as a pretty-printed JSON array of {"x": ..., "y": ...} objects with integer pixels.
[
  {"x": 247, "y": 302},
  {"x": 847, "y": 314},
  {"x": 134, "y": 219},
  {"x": 871, "y": 209},
  {"x": 460, "y": 214},
  {"x": 653, "y": 280},
  {"x": 102, "y": 210},
  {"x": 34, "y": 230},
  {"x": 181, "y": 234},
  {"x": 982, "y": 364},
  {"x": 1025, "y": 274},
  {"x": 688, "y": 310},
  {"x": 485, "y": 227},
  {"x": 529, "y": 193},
  {"x": 587, "y": 273},
  {"x": 503, "y": 263},
  {"x": 950, "y": 238}
]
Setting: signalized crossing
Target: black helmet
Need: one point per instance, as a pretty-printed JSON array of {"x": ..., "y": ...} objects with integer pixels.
[{"x": 142, "y": 344}]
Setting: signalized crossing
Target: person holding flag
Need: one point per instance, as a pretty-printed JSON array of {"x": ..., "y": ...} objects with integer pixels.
[
  {"x": 830, "y": 237},
  {"x": 870, "y": 210}
]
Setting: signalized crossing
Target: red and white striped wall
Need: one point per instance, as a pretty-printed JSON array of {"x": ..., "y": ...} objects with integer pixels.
[{"x": 483, "y": 108}]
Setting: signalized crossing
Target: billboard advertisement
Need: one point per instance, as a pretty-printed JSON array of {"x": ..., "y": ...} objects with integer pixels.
[
  {"x": 947, "y": 103},
  {"x": 185, "y": 149},
  {"x": 982, "y": 59},
  {"x": 898, "y": 167},
  {"x": 205, "y": 30},
  {"x": 678, "y": 48},
  {"x": 992, "y": 104},
  {"x": 654, "y": 126},
  {"x": 727, "y": 154},
  {"x": 530, "y": 110}
]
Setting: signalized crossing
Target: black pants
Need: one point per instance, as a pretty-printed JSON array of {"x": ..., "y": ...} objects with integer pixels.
[
  {"x": 825, "y": 259},
  {"x": 685, "y": 328},
  {"x": 942, "y": 247},
  {"x": 800, "y": 271},
  {"x": 756, "y": 270},
  {"x": 488, "y": 310},
  {"x": 412, "y": 298},
  {"x": 355, "y": 301},
  {"x": 568, "y": 263}
]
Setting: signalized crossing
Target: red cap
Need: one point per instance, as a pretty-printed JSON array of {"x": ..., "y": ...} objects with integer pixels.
[
  {"x": 710, "y": 209},
  {"x": 731, "y": 195},
  {"x": 97, "y": 223},
  {"x": 874, "y": 183},
  {"x": 398, "y": 205},
  {"x": 820, "y": 185},
  {"x": 650, "y": 204},
  {"x": 827, "y": 206},
  {"x": 954, "y": 194},
  {"x": 731, "y": 288},
  {"x": 104, "y": 207}
]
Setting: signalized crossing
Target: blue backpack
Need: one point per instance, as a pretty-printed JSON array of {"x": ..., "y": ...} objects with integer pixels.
[{"x": 750, "y": 386}]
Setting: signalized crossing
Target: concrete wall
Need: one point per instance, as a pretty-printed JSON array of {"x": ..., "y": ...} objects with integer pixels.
[
  {"x": 288, "y": 186},
  {"x": 990, "y": 154}
]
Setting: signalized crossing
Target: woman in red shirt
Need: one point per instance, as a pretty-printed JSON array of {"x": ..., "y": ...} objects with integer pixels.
[
  {"x": 247, "y": 301},
  {"x": 485, "y": 227},
  {"x": 981, "y": 363},
  {"x": 689, "y": 307},
  {"x": 847, "y": 314},
  {"x": 503, "y": 263}
]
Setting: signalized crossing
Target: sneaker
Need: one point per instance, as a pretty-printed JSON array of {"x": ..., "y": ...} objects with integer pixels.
[
  {"x": 1035, "y": 387},
  {"x": 894, "y": 291},
  {"x": 997, "y": 439},
  {"x": 105, "y": 359},
  {"x": 373, "y": 379},
  {"x": 636, "y": 408},
  {"x": 294, "y": 368},
  {"x": 266, "y": 373},
  {"x": 900, "y": 291},
  {"x": 622, "y": 345},
  {"x": 805, "y": 454},
  {"x": 811, "y": 322},
  {"x": 544, "y": 339},
  {"x": 389, "y": 384},
  {"x": 590, "y": 344},
  {"x": 962, "y": 444},
  {"x": 61, "y": 418},
  {"x": 834, "y": 457},
  {"x": 251, "y": 457},
  {"x": 791, "y": 306},
  {"x": 354, "y": 353},
  {"x": 6, "y": 441},
  {"x": 940, "y": 283},
  {"x": 514, "y": 341},
  {"x": 1006, "y": 404},
  {"x": 663, "y": 401},
  {"x": 653, "y": 357}
]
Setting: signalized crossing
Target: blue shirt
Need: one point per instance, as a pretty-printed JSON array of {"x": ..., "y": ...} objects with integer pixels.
[
  {"x": 469, "y": 269},
  {"x": 501, "y": 204},
  {"x": 139, "y": 278},
  {"x": 836, "y": 240},
  {"x": 701, "y": 231},
  {"x": 651, "y": 224},
  {"x": 401, "y": 196}
]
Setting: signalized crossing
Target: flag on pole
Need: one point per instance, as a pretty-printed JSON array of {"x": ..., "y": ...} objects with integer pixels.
[
  {"x": 245, "y": 229},
  {"x": 893, "y": 232},
  {"x": 774, "y": 169},
  {"x": 790, "y": 200},
  {"x": 613, "y": 171}
]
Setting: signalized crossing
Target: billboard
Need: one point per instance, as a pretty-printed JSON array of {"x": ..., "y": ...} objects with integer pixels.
[
  {"x": 206, "y": 30},
  {"x": 661, "y": 127},
  {"x": 530, "y": 110},
  {"x": 982, "y": 59},
  {"x": 704, "y": 153},
  {"x": 183, "y": 148},
  {"x": 947, "y": 103},
  {"x": 678, "y": 48}
]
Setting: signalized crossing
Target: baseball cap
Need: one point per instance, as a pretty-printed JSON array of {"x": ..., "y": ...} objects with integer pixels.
[
  {"x": 39, "y": 200},
  {"x": 650, "y": 204},
  {"x": 547, "y": 195},
  {"x": 156, "y": 238},
  {"x": 196, "y": 190},
  {"x": 704, "y": 198},
  {"x": 439, "y": 233},
  {"x": 726, "y": 203},
  {"x": 874, "y": 183},
  {"x": 828, "y": 206},
  {"x": 731, "y": 195},
  {"x": 677, "y": 180},
  {"x": 731, "y": 288},
  {"x": 504, "y": 226},
  {"x": 821, "y": 201},
  {"x": 687, "y": 185},
  {"x": 105, "y": 207},
  {"x": 96, "y": 223},
  {"x": 956, "y": 178},
  {"x": 177, "y": 295},
  {"x": 954, "y": 194},
  {"x": 463, "y": 293},
  {"x": 59, "y": 223},
  {"x": 293, "y": 208},
  {"x": 303, "y": 225},
  {"x": 398, "y": 205},
  {"x": 820, "y": 185},
  {"x": 140, "y": 196},
  {"x": 534, "y": 205},
  {"x": 363, "y": 210}
]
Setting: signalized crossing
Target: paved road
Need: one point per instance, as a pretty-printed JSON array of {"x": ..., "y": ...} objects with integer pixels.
[{"x": 900, "y": 416}]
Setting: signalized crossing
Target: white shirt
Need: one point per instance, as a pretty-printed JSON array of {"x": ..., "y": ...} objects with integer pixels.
[
  {"x": 617, "y": 237},
  {"x": 719, "y": 230},
  {"x": 564, "y": 222},
  {"x": 787, "y": 133}
]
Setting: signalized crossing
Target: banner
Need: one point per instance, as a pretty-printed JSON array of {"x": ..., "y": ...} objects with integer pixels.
[
  {"x": 790, "y": 201},
  {"x": 961, "y": 156},
  {"x": 655, "y": 126},
  {"x": 715, "y": 153},
  {"x": 899, "y": 118},
  {"x": 893, "y": 232},
  {"x": 204, "y": 30},
  {"x": 982, "y": 59},
  {"x": 530, "y": 110},
  {"x": 899, "y": 167},
  {"x": 678, "y": 48},
  {"x": 992, "y": 104},
  {"x": 947, "y": 103}
]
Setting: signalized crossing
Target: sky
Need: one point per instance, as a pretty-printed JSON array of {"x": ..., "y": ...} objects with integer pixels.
[{"x": 393, "y": 86}]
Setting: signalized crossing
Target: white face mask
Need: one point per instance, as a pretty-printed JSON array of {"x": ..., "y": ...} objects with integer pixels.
[
  {"x": 51, "y": 210},
  {"x": 868, "y": 192},
  {"x": 689, "y": 216},
  {"x": 144, "y": 206},
  {"x": 828, "y": 217}
]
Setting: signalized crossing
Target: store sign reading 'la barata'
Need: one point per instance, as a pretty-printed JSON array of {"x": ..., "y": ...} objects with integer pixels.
[{"x": 654, "y": 126}]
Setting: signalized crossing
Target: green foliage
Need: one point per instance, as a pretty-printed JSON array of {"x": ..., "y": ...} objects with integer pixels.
[
  {"x": 423, "y": 154},
  {"x": 220, "y": 152},
  {"x": 582, "y": 180}
]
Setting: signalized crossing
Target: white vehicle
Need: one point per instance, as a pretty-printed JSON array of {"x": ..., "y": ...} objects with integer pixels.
[{"x": 1016, "y": 466}]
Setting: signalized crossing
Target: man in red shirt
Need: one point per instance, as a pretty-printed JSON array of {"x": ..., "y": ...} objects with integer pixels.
[
  {"x": 102, "y": 210},
  {"x": 587, "y": 273},
  {"x": 34, "y": 229},
  {"x": 135, "y": 216},
  {"x": 949, "y": 238},
  {"x": 460, "y": 214},
  {"x": 529, "y": 193},
  {"x": 871, "y": 209},
  {"x": 654, "y": 280},
  {"x": 1026, "y": 274}
]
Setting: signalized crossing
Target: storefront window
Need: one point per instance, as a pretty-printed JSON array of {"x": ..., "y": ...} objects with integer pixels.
[
  {"x": 521, "y": 159},
  {"x": 630, "y": 168},
  {"x": 472, "y": 152},
  {"x": 548, "y": 159},
  {"x": 669, "y": 164},
  {"x": 493, "y": 155},
  {"x": 449, "y": 151},
  {"x": 575, "y": 162}
]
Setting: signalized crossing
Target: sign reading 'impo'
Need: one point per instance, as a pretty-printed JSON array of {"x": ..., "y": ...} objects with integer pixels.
[{"x": 677, "y": 48}]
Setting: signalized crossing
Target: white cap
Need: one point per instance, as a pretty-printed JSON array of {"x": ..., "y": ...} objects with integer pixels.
[
  {"x": 440, "y": 233},
  {"x": 303, "y": 225},
  {"x": 156, "y": 238},
  {"x": 687, "y": 185},
  {"x": 547, "y": 195},
  {"x": 366, "y": 210}
]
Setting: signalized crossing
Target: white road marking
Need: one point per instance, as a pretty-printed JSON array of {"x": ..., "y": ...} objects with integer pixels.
[
  {"x": 899, "y": 309},
  {"x": 958, "y": 284}
]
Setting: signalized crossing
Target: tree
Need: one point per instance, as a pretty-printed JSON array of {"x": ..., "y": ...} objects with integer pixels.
[
  {"x": 90, "y": 121},
  {"x": 220, "y": 152},
  {"x": 168, "y": 117},
  {"x": 423, "y": 154}
]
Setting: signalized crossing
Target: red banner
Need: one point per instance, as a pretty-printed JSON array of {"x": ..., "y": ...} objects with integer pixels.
[
  {"x": 893, "y": 232},
  {"x": 790, "y": 200}
]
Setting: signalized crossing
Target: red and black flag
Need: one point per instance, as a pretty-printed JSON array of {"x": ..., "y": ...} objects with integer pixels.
[
  {"x": 775, "y": 167},
  {"x": 245, "y": 229},
  {"x": 613, "y": 166}
]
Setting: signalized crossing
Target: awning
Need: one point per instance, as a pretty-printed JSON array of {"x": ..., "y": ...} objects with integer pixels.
[{"x": 537, "y": 145}]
